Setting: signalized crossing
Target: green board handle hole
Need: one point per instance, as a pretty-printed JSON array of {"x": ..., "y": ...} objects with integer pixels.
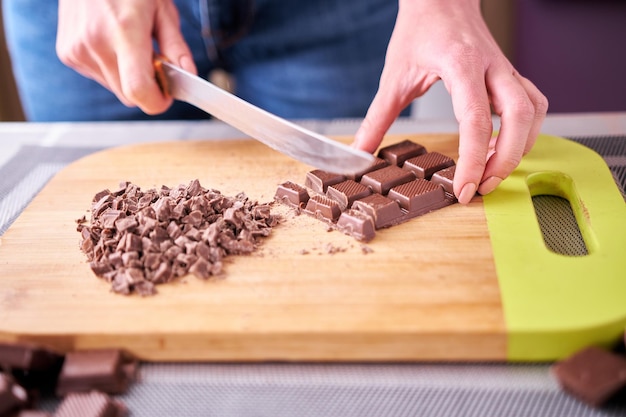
[{"x": 561, "y": 214}]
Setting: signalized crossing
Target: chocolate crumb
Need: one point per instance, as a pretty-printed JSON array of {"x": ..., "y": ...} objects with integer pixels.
[
  {"x": 136, "y": 240},
  {"x": 366, "y": 249}
]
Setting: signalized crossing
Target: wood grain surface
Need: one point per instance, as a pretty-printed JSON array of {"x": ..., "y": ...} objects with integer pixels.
[{"x": 425, "y": 290}]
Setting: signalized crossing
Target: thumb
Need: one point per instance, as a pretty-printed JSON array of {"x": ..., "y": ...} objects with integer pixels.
[{"x": 381, "y": 114}]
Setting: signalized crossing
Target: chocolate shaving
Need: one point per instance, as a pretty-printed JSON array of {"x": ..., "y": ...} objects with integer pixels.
[{"x": 136, "y": 240}]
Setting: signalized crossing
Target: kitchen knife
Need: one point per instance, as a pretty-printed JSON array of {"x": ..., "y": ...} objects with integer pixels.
[{"x": 279, "y": 134}]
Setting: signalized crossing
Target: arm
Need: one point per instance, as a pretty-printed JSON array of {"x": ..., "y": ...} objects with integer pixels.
[
  {"x": 110, "y": 41},
  {"x": 449, "y": 40}
]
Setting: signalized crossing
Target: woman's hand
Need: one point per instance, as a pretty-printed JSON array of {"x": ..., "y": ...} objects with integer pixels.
[
  {"x": 449, "y": 40},
  {"x": 111, "y": 41}
]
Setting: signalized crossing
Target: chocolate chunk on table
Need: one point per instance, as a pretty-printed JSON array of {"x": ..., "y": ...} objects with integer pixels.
[
  {"x": 106, "y": 370},
  {"x": 34, "y": 367},
  {"x": 424, "y": 166},
  {"x": 399, "y": 152},
  {"x": 319, "y": 180},
  {"x": 384, "y": 179},
  {"x": 12, "y": 396},
  {"x": 592, "y": 375},
  {"x": 28, "y": 357},
  {"x": 90, "y": 404}
]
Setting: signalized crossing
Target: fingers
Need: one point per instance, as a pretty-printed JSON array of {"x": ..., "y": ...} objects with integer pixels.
[
  {"x": 396, "y": 91},
  {"x": 383, "y": 110},
  {"x": 171, "y": 43},
  {"x": 467, "y": 89},
  {"x": 136, "y": 73},
  {"x": 111, "y": 42},
  {"x": 522, "y": 109}
]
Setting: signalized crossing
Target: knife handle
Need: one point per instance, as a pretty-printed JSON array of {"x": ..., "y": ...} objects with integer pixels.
[{"x": 159, "y": 74}]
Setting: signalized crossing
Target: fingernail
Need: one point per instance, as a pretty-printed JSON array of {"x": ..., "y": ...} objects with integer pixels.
[
  {"x": 489, "y": 185},
  {"x": 467, "y": 192}
]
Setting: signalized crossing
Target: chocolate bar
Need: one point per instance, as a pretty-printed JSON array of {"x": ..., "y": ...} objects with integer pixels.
[
  {"x": 405, "y": 181},
  {"x": 106, "y": 370},
  {"x": 592, "y": 375},
  {"x": 90, "y": 404}
]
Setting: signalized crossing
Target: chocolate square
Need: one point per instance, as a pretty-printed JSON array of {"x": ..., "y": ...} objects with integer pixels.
[
  {"x": 593, "y": 375},
  {"x": 445, "y": 178},
  {"x": 384, "y": 179},
  {"x": 28, "y": 357},
  {"x": 399, "y": 152},
  {"x": 319, "y": 180},
  {"x": 293, "y": 195},
  {"x": 377, "y": 164},
  {"x": 418, "y": 197},
  {"x": 424, "y": 166},
  {"x": 384, "y": 211},
  {"x": 323, "y": 208},
  {"x": 357, "y": 224},
  {"x": 346, "y": 192}
]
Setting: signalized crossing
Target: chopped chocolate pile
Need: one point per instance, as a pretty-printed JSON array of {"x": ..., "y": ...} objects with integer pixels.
[
  {"x": 137, "y": 239},
  {"x": 403, "y": 182}
]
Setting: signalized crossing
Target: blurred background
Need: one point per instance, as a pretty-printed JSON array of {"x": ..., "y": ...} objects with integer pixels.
[{"x": 573, "y": 50}]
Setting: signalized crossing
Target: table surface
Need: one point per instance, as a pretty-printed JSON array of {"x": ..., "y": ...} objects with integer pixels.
[{"x": 30, "y": 154}]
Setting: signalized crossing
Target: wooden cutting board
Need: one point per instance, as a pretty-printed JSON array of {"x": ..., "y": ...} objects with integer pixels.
[{"x": 427, "y": 289}]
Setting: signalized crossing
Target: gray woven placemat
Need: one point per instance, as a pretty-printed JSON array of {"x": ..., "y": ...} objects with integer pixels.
[{"x": 283, "y": 389}]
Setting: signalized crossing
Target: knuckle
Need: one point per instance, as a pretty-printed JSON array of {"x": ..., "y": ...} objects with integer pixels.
[
  {"x": 508, "y": 164},
  {"x": 135, "y": 89},
  {"x": 523, "y": 109},
  {"x": 478, "y": 117},
  {"x": 541, "y": 105},
  {"x": 465, "y": 51}
]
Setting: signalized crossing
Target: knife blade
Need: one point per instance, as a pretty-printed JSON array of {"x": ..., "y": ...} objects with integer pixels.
[{"x": 279, "y": 134}]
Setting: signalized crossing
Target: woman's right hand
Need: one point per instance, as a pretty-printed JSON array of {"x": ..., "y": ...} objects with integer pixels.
[{"x": 111, "y": 41}]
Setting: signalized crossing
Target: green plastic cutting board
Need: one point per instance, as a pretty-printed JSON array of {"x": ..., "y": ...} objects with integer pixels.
[{"x": 555, "y": 304}]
